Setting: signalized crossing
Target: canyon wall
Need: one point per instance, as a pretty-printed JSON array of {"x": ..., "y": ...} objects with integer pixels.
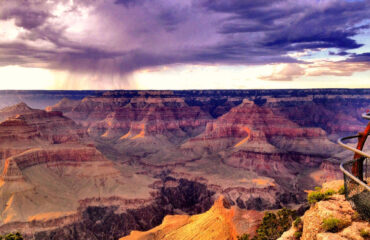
[{"x": 96, "y": 162}]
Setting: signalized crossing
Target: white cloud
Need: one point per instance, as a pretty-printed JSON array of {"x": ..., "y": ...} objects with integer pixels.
[
  {"x": 9, "y": 31},
  {"x": 16, "y": 77}
]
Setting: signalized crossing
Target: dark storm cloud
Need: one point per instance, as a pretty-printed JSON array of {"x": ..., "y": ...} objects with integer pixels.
[
  {"x": 342, "y": 53},
  {"x": 171, "y": 18},
  {"x": 26, "y": 19},
  {"x": 107, "y": 62},
  {"x": 238, "y": 52},
  {"x": 27, "y": 14},
  {"x": 364, "y": 57},
  {"x": 126, "y": 35},
  {"x": 293, "y": 26},
  {"x": 240, "y": 7},
  {"x": 129, "y": 3}
]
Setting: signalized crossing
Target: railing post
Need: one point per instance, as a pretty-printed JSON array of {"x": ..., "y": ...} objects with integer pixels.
[
  {"x": 345, "y": 186},
  {"x": 357, "y": 167}
]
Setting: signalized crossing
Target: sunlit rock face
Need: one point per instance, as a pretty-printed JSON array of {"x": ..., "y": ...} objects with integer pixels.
[
  {"x": 102, "y": 164},
  {"x": 217, "y": 223},
  {"x": 64, "y": 105}
]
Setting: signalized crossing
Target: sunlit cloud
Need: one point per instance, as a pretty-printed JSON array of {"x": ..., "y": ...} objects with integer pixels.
[
  {"x": 16, "y": 77},
  {"x": 285, "y": 72},
  {"x": 275, "y": 76},
  {"x": 9, "y": 31}
]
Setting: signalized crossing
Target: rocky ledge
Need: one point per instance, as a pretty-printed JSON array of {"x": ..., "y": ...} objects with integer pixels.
[{"x": 332, "y": 219}]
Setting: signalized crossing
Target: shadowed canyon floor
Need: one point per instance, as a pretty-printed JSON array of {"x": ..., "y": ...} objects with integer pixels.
[{"x": 97, "y": 165}]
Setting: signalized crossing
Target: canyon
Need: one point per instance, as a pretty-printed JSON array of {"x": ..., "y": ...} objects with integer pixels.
[{"x": 100, "y": 164}]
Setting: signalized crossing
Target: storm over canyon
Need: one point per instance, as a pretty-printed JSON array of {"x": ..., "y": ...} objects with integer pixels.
[
  {"x": 184, "y": 120},
  {"x": 100, "y": 164}
]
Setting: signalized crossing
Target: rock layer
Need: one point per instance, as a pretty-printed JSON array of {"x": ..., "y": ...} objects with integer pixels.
[
  {"x": 108, "y": 223},
  {"x": 217, "y": 223},
  {"x": 260, "y": 149}
]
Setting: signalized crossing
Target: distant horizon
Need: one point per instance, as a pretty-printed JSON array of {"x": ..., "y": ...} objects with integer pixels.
[
  {"x": 41, "y": 99},
  {"x": 205, "y": 89}
]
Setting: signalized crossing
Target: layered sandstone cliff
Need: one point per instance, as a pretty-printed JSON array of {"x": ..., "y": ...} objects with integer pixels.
[
  {"x": 37, "y": 128},
  {"x": 255, "y": 138},
  {"x": 260, "y": 149},
  {"x": 20, "y": 108},
  {"x": 50, "y": 167},
  {"x": 251, "y": 144},
  {"x": 116, "y": 117},
  {"x": 217, "y": 223}
]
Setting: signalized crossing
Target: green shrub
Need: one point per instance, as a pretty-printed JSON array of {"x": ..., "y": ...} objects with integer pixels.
[
  {"x": 12, "y": 236},
  {"x": 298, "y": 222},
  {"x": 329, "y": 192},
  {"x": 316, "y": 196},
  {"x": 365, "y": 234},
  {"x": 297, "y": 235},
  {"x": 332, "y": 224},
  {"x": 243, "y": 237},
  {"x": 342, "y": 190},
  {"x": 356, "y": 216},
  {"x": 274, "y": 225}
]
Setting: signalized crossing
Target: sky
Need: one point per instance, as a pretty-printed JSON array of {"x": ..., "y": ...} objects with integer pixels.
[{"x": 184, "y": 44}]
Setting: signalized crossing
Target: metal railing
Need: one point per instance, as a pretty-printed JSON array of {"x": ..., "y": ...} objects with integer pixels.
[{"x": 356, "y": 175}]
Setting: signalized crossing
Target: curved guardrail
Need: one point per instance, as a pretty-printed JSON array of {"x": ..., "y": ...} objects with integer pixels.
[
  {"x": 364, "y": 154},
  {"x": 355, "y": 172},
  {"x": 366, "y": 116}
]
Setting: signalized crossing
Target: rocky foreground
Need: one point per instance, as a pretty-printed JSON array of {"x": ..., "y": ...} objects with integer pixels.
[
  {"x": 225, "y": 222},
  {"x": 345, "y": 222},
  {"x": 98, "y": 165},
  {"x": 219, "y": 222}
]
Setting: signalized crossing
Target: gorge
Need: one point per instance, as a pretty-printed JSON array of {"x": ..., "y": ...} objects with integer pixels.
[{"x": 99, "y": 164}]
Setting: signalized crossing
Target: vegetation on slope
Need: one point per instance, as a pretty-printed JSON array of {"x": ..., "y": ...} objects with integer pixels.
[
  {"x": 365, "y": 234},
  {"x": 318, "y": 195},
  {"x": 273, "y": 225},
  {"x": 332, "y": 224},
  {"x": 12, "y": 236}
]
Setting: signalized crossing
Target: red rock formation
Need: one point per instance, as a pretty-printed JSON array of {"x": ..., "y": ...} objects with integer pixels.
[
  {"x": 112, "y": 117},
  {"x": 327, "y": 171},
  {"x": 64, "y": 105},
  {"x": 64, "y": 155},
  {"x": 38, "y": 125},
  {"x": 256, "y": 138},
  {"x": 11, "y": 171},
  {"x": 92, "y": 109},
  {"x": 20, "y": 108},
  {"x": 336, "y": 116},
  {"x": 34, "y": 128},
  {"x": 262, "y": 122}
]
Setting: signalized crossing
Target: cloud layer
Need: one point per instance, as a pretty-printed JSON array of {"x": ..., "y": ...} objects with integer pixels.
[{"x": 122, "y": 36}]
